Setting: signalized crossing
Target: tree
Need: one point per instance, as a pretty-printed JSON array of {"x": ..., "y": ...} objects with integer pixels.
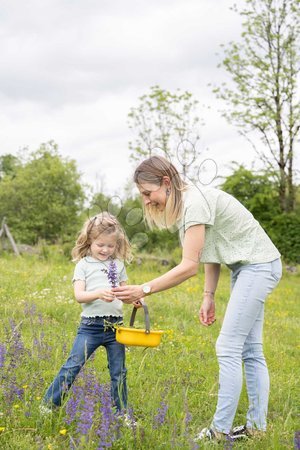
[
  {"x": 44, "y": 197},
  {"x": 264, "y": 67},
  {"x": 257, "y": 191},
  {"x": 166, "y": 123},
  {"x": 8, "y": 165}
]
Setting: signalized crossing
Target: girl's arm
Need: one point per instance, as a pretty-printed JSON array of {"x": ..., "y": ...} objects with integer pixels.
[
  {"x": 188, "y": 267},
  {"x": 83, "y": 296},
  {"x": 207, "y": 310}
]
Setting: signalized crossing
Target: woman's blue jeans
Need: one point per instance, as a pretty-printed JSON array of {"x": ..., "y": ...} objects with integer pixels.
[
  {"x": 92, "y": 333},
  {"x": 240, "y": 340}
]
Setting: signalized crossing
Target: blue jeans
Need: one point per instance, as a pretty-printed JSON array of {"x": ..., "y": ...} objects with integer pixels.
[
  {"x": 240, "y": 340},
  {"x": 90, "y": 335}
]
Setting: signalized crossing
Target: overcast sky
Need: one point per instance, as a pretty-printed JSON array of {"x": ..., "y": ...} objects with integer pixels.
[{"x": 70, "y": 70}]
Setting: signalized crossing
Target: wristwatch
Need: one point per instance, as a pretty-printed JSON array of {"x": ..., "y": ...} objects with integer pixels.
[{"x": 146, "y": 289}]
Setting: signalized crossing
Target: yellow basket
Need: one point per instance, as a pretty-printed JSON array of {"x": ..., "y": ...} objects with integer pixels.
[{"x": 139, "y": 338}]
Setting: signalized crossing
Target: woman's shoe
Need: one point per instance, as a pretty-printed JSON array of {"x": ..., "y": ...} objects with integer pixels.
[
  {"x": 241, "y": 432},
  {"x": 208, "y": 434}
]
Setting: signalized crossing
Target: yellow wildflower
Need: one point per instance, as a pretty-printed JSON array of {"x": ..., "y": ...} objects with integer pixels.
[
  {"x": 63, "y": 431},
  {"x": 16, "y": 406},
  {"x": 38, "y": 397},
  {"x": 2, "y": 429},
  {"x": 25, "y": 386}
]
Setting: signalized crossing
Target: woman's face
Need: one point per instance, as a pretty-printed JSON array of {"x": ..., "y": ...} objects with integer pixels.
[{"x": 153, "y": 195}]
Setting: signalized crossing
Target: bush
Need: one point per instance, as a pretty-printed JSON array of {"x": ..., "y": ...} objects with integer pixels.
[{"x": 284, "y": 231}]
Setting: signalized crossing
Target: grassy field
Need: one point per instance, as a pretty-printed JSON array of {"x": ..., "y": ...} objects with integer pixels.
[{"x": 172, "y": 388}]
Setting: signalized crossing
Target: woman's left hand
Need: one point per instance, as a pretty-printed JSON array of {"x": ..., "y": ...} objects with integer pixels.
[{"x": 128, "y": 293}]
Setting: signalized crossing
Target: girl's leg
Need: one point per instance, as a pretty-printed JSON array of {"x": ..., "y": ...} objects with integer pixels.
[
  {"x": 87, "y": 340},
  {"x": 117, "y": 370},
  {"x": 251, "y": 285}
]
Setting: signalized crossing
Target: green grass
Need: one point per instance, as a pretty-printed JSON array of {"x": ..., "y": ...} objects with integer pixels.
[{"x": 182, "y": 371}]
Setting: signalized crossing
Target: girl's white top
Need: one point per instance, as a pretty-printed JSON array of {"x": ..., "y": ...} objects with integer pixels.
[
  {"x": 232, "y": 235},
  {"x": 94, "y": 273}
]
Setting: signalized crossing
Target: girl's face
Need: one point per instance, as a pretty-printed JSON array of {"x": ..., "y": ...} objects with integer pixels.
[
  {"x": 153, "y": 195},
  {"x": 104, "y": 246}
]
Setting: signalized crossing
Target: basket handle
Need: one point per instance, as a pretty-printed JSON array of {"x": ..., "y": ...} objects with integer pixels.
[{"x": 147, "y": 318}]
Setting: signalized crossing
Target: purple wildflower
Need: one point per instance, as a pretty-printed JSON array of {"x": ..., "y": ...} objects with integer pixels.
[
  {"x": 107, "y": 420},
  {"x": 16, "y": 348},
  {"x": 73, "y": 403},
  {"x": 229, "y": 442},
  {"x": 112, "y": 274},
  {"x": 160, "y": 417},
  {"x": 297, "y": 440},
  {"x": 2, "y": 354}
]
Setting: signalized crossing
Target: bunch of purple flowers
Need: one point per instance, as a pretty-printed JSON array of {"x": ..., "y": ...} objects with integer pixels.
[{"x": 112, "y": 274}]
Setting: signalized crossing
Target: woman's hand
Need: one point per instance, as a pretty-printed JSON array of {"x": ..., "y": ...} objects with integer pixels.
[
  {"x": 207, "y": 311},
  {"x": 128, "y": 293}
]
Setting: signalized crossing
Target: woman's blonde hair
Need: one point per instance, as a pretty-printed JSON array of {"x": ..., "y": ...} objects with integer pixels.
[
  {"x": 103, "y": 223},
  {"x": 152, "y": 170}
]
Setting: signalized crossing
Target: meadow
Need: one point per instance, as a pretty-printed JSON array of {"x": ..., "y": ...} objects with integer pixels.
[{"x": 172, "y": 388}]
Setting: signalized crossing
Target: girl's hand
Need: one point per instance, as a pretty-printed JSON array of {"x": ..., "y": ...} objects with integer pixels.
[
  {"x": 207, "y": 311},
  {"x": 106, "y": 295},
  {"x": 128, "y": 293},
  {"x": 137, "y": 304}
]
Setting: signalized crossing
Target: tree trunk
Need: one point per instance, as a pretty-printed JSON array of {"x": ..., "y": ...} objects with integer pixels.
[{"x": 290, "y": 186}]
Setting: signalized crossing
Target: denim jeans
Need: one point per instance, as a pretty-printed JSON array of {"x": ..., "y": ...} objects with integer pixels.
[
  {"x": 240, "y": 340},
  {"x": 90, "y": 335}
]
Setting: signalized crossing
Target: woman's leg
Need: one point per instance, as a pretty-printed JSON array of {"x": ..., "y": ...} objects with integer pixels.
[
  {"x": 251, "y": 285},
  {"x": 256, "y": 371},
  {"x": 257, "y": 376},
  {"x": 87, "y": 340},
  {"x": 117, "y": 370}
]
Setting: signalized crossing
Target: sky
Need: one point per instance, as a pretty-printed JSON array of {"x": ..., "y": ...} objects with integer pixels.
[{"x": 70, "y": 70}]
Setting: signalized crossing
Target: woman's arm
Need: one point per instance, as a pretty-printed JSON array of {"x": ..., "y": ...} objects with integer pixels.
[
  {"x": 212, "y": 274},
  {"x": 83, "y": 296},
  {"x": 207, "y": 310},
  {"x": 188, "y": 267}
]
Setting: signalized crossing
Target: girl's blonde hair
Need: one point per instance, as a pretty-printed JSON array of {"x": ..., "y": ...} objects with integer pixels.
[
  {"x": 103, "y": 223},
  {"x": 152, "y": 170}
]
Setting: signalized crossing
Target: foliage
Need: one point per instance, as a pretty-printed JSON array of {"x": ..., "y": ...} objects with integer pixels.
[
  {"x": 172, "y": 388},
  {"x": 8, "y": 165},
  {"x": 284, "y": 230},
  {"x": 166, "y": 123},
  {"x": 264, "y": 68},
  {"x": 258, "y": 192},
  {"x": 43, "y": 198},
  {"x": 255, "y": 190}
]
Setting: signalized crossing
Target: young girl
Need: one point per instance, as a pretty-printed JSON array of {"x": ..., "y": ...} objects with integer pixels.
[{"x": 100, "y": 250}]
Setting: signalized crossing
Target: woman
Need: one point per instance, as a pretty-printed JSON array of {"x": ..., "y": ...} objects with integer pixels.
[{"x": 216, "y": 229}]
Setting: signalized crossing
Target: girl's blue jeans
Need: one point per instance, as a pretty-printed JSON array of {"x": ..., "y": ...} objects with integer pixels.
[
  {"x": 92, "y": 333},
  {"x": 240, "y": 340}
]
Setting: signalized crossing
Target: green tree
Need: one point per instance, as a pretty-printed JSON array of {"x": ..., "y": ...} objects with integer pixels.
[
  {"x": 9, "y": 164},
  {"x": 257, "y": 191},
  {"x": 263, "y": 97},
  {"x": 166, "y": 123},
  {"x": 44, "y": 197}
]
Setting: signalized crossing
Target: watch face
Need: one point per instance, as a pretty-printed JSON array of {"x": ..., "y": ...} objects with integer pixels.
[{"x": 146, "y": 289}]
